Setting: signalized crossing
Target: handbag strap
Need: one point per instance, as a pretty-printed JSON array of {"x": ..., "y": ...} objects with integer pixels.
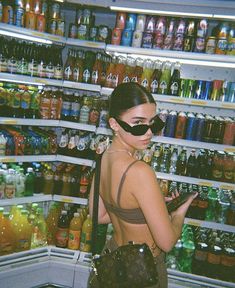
[{"x": 94, "y": 233}]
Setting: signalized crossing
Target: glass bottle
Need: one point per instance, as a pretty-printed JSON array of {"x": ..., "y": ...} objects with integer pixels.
[
  {"x": 174, "y": 87},
  {"x": 94, "y": 113},
  {"x": 156, "y": 75},
  {"x": 164, "y": 82},
  {"x": 192, "y": 164},
  {"x": 85, "y": 110}
]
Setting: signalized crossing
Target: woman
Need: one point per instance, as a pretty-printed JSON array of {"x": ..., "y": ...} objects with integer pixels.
[{"x": 130, "y": 197}]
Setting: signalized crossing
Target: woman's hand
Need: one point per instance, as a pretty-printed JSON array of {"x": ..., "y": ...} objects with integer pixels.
[
  {"x": 182, "y": 210},
  {"x": 173, "y": 196}
]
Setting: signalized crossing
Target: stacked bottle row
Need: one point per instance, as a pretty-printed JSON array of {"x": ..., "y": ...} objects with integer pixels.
[
  {"x": 205, "y": 252},
  {"x": 179, "y": 34},
  {"x": 200, "y": 163},
  {"x": 40, "y": 15},
  {"x": 20, "y": 180},
  {"x": 25, "y": 227},
  {"x": 25, "y": 140},
  {"x": 212, "y": 204},
  {"x": 198, "y": 127},
  {"x": 26, "y": 58}
]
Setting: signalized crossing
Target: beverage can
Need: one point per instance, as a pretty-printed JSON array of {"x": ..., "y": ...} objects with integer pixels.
[
  {"x": 168, "y": 42},
  {"x": 216, "y": 90},
  {"x": 208, "y": 130},
  {"x": 140, "y": 22},
  {"x": 178, "y": 42},
  {"x": 158, "y": 40},
  {"x": 41, "y": 23},
  {"x": 191, "y": 27},
  {"x": 120, "y": 20},
  {"x": 183, "y": 87},
  {"x": 210, "y": 45},
  {"x": 150, "y": 24},
  {"x": 207, "y": 90},
  {"x": 229, "y": 132},
  {"x": 130, "y": 21},
  {"x": 218, "y": 132},
  {"x": 147, "y": 40},
  {"x": 231, "y": 41},
  {"x": 171, "y": 120},
  {"x": 160, "y": 27},
  {"x": 191, "y": 127},
  {"x": 221, "y": 46},
  {"x": 137, "y": 39},
  {"x": 7, "y": 14},
  {"x": 181, "y": 125},
  {"x": 103, "y": 33},
  {"x": 19, "y": 17},
  {"x": 188, "y": 43},
  {"x": 231, "y": 94},
  {"x": 200, "y": 127},
  {"x": 116, "y": 36},
  {"x": 126, "y": 37},
  {"x": 30, "y": 20},
  {"x": 199, "y": 88},
  {"x": 181, "y": 27},
  {"x": 93, "y": 33},
  {"x": 200, "y": 45},
  {"x": 202, "y": 28}
]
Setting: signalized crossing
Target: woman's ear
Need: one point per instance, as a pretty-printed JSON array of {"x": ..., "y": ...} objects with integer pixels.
[{"x": 113, "y": 124}]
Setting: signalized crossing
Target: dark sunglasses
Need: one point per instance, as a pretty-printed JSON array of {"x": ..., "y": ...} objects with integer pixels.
[{"x": 141, "y": 129}]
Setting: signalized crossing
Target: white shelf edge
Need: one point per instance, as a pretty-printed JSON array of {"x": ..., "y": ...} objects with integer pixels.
[
  {"x": 26, "y": 199},
  {"x": 194, "y": 102},
  {"x": 33, "y": 33},
  {"x": 77, "y": 125},
  {"x": 104, "y": 131},
  {"x": 193, "y": 144},
  {"x": 74, "y": 160},
  {"x": 193, "y": 57},
  {"x": 197, "y": 181},
  {"x": 28, "y": 122},
  {"x": 210, "y": 225},
  {"x": 82, "y": 86},
  {"x": 85, "y": 43},
  {"x": 70, "y": 199},
  {"x": 106, "y": 91},
  {"x": 28, "y": 158}
]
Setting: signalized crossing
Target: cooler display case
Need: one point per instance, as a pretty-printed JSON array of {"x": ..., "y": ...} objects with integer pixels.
[{"x": 66, "y": 268}]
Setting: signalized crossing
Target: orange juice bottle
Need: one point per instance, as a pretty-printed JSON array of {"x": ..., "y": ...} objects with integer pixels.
[
  {"x": 23, "y": 232},
  {"x": 7, "y": 240},
  {"x": 75, "y": 229},
  {"x": 85, "y": 244},
  {"x": 52, "y": 221},
  {"x": 62, "y": 232}
]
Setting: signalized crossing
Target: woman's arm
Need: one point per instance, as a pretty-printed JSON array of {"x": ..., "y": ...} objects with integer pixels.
[
  {"x": 147, "y": 192},
  {"x": 103, "y": 216}
]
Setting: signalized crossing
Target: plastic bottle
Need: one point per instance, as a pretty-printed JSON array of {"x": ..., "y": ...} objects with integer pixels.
[
  {"x": 10, "y": 187},
  {"x": 85, "y": 244},
  {"x": 62, "y": 233},
  {"x": 7, "y": 240},
  {"x": 2, "y": 183},
  {"x": 29, "y": 182},
  {"x": 52, "y": 222},
  {"x": 3, "y": 142},
  {"x": 20, "y": 183},
  {"x": 39, "y": 230},
  {"x": 192, "y": 164},
  {"x": 23, "y": 232},
  {"x": 211, "y": 213},
  {"x": 75, "y": 229},
  {"x": 48, "y": 181}
]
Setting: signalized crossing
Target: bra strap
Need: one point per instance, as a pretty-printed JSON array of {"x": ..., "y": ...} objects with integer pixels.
[{"x": 122, "y": 181}]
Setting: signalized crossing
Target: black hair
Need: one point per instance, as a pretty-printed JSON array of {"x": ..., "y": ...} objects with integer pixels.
[{"x": 126, "y": 96}]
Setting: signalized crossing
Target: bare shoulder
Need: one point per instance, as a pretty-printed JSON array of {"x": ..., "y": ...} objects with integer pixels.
[{"x": 142, "y": 169}]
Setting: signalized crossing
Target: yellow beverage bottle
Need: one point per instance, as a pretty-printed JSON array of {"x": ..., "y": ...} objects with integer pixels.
[
  {"x": 52, "y": 221},
  {"x": 85, "y": 244},
  {"x": 23, "y": 232},
  {"x": 39, "y": 230},
  {"x": 75, "y": 229},
  {"x": 7, "y": 240}
]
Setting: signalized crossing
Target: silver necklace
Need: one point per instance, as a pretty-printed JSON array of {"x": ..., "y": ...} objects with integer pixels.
[{"x": 119, "y": 150}]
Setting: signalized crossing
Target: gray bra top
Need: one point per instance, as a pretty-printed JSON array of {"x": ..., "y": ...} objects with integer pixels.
[{"x": 135, "y": 215}]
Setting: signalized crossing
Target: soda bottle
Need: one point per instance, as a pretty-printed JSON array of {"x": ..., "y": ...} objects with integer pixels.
[
  {"x": 39, "y": 230},
  {"x": 65, "y": 182},
  {"x": 7, "y": 239},
  {"x": 85, "y": 111},
  {"x": 214, "y": 257},
  {"x": 227, "y": 261},
  {"x": 23, "y": 232},
  {"x": 32, "y": 213},
  {"x": 85, "y": 244},
  {"x": 84, "y": 182},
  {"x": 164, "y": 164},
  {"x": 229, "y": 167},
  {"x": 68, "y": 68},
  {"x": 20, "y": 183},
  {"x": 174, "y": 87},
  {"x": 62, "y": 232},
  {"x": 181, "y": 125},
  {"x": 211, "y": 212},
  {"x": 88, "y": 66},
  {"x": 45, "y": 104},
  {"x": 224, "y": 204},
  {"x": 182, "y": 163},
  {"x": 75, "y": 229},
  {"x": 63, "y": 142},
  {"x": 199, "y": 261},
  {"x": 148, "y": 70},
  {"x": 51, "y": 222},
  {"x": 55, "y": 103},
  {"x": 187, "y": 249},
  {"x": 173, "y": 161},
  {"x": 48, "y": 180},
  {"x": 217, "y": 166},
  {"x": 66, "y": 105},
  {"x": 156, "y": 75},
  {"x": 38, "y": 179},
  {"x": 164, "y": 82},
  {"x": 75, "y": 108},
  {"x": 2, "y": 183},
  {"x": 155, "y": 162},
  {"x": 10, "y": 187},
  {"x": 202, "y": 163},
  {"x": 202, "y": 202},
  {"x": 29, "y": 182},
  {"x": 191, "y": 169}
]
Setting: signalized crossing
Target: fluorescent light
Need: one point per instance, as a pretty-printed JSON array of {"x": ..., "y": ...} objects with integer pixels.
[
  {"x": 160, "y": 12},
  {"x": 25, "y": 37}
]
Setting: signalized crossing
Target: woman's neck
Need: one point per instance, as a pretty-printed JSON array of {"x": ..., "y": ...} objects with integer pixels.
[{"x": 119, "y": 144}]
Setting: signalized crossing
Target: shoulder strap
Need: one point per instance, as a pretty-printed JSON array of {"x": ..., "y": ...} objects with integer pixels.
[
  {"x": 122, "y": 181},
  {"x": 94, "y": 233}
]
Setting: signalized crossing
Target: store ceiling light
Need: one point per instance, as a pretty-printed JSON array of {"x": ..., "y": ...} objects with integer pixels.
[
  {"x": 25, "y": 37},
  {"x": 160, "y": 12}
]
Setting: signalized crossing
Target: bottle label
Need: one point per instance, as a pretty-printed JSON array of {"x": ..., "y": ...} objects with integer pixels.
[
  {"x": 213, "y": 258},
  {"x": 174, "y": 88},
  {"x": 145, "y": 83},
  {"x": 75, "y": 107},
  {"x": 62, "y": 237},
  {"x": 3, "y": 64},
  {"x": 86, "y": 75},
  {"x": 94, "y": 117},
  {"x": 83, "y": 189},
  {"x": 12, "y": 66},
  {"x": 163, "y": 87},
  {"x": 76, "y": 74},
  {"x": 85, "y": 242},
  {"x": 58, "y": 72},
  {"x": 72, "y": 143},
  {"x": 66, "y": 108},
  {"x": 200, "y": 255},
  {"x": 154, "y": 86},
  {"x": 67, "y": 73},
  {"x": 228, "y": 261},
  {"x": 63, "y": 141},
  {"x": 10, "y": 191},
  {"x": 94, "y": 77},
  {"x": 2, "y": 190},
  {"x": 50, "y": 71},
  {"x": 5, "y": 246},
  {"x": 74, "y": 239}
]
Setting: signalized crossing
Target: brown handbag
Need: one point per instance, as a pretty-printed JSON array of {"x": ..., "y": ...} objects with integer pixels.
[{"x": 129, "y": 266}]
